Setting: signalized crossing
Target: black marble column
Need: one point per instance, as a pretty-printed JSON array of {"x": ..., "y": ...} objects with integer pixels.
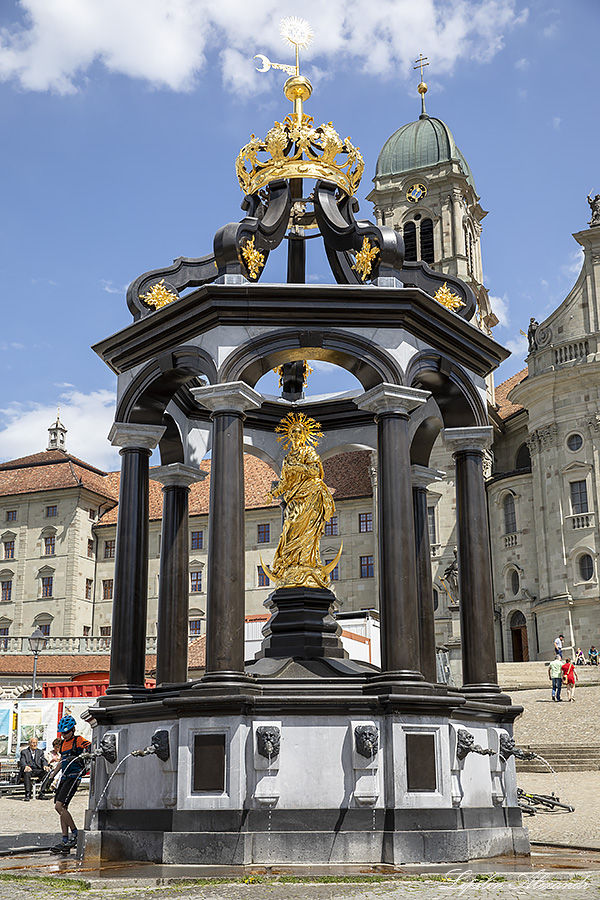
[
  {"x": 226, "y": 582},
  {"x": 130, "y": 597},
  {"x": 421, "y": 477},
  {"x": 398, "y": 604},
  {"x": 174, "y": 586},
  {"x": 480, "y": 675}
]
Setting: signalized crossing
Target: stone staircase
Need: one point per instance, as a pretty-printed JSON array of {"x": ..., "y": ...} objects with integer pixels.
[
  {"x": 562, "y": 758},
  {"x": 527, "y": 676}
]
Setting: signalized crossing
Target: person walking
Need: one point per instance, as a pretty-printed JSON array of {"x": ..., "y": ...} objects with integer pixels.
[
  {"x": 73, "y": 760},
  {"x": 559, "y": 644},
  {"x": 32, "y": 764},
  {"x": 569, "y": 676},
  {"x": 555, "y": 676}
]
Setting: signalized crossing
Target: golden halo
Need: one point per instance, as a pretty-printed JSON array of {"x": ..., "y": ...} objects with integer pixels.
[
  {"x": 296, "y": 31},
  {"x": 310, "y": 430}
]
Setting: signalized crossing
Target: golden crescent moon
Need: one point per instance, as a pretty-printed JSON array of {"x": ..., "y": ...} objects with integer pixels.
[
  {"x": 265, "y": 567},
  {"x": 266, "y": 62},
  {"x": 331, "y": 566}
]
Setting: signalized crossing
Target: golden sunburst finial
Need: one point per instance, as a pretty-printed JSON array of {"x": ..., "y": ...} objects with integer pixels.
[
  {"x": 447, "y": 298},
  {"x": 307, "y": 430},
  {"x": 159, "y": 295}
]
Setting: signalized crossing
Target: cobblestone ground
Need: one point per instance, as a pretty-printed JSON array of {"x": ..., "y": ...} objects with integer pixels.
[{"x": 35, "y": 824}]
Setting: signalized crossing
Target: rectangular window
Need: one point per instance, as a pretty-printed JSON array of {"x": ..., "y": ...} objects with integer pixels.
[
  {"x": 47, "y": 586},
  {"x": 196, "y": 582},
  {"x": 365, "y": 522},
  {"x": 264, "y": 534},
  {"x": 92, "y": 514},
  {"x": 51, "y": 511},
  {"x": 86, "y": 630},
  {"x": 263, "y": 580},
  {"x": 579, "y": 498},
  {"x": 195, "y": 627},
  {"x": 109, "y": 549},
  {"x": 49, "y": 545},
  {"x": 89, "y": 584},
  {"x": 105, "y": 632},
  {"x": 366, "y": 567},
  {"x": 197, "y": 540},
  {"x": 6, "y": 590},
  {"x": 3, "y": 638},
  {"x": 45, "y": 629},
  {"x": 107, "y": 589},
  {"x": 332, "y": 526},
  {"x": 431, "y": 524},
  {"x": 335, "y": 573},
  {"x": 11, "y": 515},
  {"x": 90, "y": 547},
  {"x": 9, "y": 549}
]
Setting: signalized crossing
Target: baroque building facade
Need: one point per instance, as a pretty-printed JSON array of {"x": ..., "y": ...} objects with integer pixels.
[{"x": 58, "y": 514}]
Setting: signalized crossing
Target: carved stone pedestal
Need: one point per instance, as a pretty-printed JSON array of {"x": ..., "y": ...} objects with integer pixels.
[{"x": 302, "y": 625}]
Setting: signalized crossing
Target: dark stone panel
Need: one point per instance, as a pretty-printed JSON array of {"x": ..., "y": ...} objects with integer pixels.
[
  {"x": 421, "y": 773},
  {"x": 302, "y": 625},
  {"x": 135, "y": 819},
  {"x": 209, "y": 762},
  {"x": 206, "y": 848}
]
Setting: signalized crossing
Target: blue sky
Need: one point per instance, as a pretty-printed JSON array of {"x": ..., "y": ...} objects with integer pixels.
[{"x": 121, "y": 121}]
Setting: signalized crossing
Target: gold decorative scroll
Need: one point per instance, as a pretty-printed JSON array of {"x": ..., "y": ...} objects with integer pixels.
[
  {"x": 308, "y": 507},
  {"x": 158, "y": 295},
  {"x": 253, "y": 258},
  {"x": 306, "y": 371},
  {"x": 364, "y": 258},
  {"x": 445, "y": 296}
]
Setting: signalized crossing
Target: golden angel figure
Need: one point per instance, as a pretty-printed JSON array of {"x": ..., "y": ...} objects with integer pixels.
[{"x": 308, "y": 507}]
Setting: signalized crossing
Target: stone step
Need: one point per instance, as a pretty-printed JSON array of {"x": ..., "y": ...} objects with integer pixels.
[
  {"x": 534, "y": 675},
  {"x": 562, "y": 758}
]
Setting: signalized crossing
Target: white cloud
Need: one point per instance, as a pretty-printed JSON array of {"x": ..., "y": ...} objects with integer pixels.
[
  {"x": 556, "y": 122},
  {"x": 111, "y": 288},
  {"x": 522, "y": 63},
  {"x": 518, "y": 345},
  {"x": 500, "y": 307},
  {"x": 11, "y": 345},
  {"x": 572, "y": 268},
  {"x": 88, "y": 417},
  {"x": 165, "y": 43}
]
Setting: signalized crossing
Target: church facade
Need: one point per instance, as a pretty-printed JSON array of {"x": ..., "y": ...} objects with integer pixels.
[{"x": 58, "y": 515}]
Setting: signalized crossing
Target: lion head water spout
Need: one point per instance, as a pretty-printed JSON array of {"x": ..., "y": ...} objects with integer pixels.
[
  {"x": 466, "y": 744},
  {"x": 508, "y": 748}
]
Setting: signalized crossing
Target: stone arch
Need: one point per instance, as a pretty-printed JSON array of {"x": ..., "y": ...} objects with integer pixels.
[
  {"x": 368, "y": 362},
  {"x": 458, "y": 400},
  {"x": 146, "y": 398}
]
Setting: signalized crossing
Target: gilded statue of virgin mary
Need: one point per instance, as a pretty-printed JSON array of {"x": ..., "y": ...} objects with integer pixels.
[{"x": 308, "y": 507}]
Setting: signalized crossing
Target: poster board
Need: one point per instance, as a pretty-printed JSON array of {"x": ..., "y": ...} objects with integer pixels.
[
  {"x": 37, "y": 718},
  {"x": 75, "y": 708},
  {"x": 6, "y": 727}
]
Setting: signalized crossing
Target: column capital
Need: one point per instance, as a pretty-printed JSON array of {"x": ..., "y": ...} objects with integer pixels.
[
  {"x": 177, "y": 475},
  {"x": 477, "y": 438},
  {"x": 393, "y": 398},
  {"x": 131, "y": 435},
  {"x": 422, "y": 476},
  {"x": 235, "y": 396}
]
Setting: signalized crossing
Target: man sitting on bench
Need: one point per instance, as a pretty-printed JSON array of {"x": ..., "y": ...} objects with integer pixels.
[{"x": 32, "y": 764}]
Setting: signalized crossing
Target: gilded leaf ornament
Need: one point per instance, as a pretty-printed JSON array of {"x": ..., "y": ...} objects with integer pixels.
[
  {"x": 448, "y": 299},
  {"x": 253, "y": 258},
  {"x": 158, "y": 295},
  {"x": 364, "y": 258}
]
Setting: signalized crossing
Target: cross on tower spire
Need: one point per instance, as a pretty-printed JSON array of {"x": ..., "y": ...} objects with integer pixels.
[{"x": 422, "y": 87}]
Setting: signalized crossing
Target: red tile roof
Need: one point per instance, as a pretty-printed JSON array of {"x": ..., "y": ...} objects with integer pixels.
[
  {"x": 504, "y": 405},
  {"x": 346, "y": 474},
  {"x": 56, "y": 664},
  {"x": 52, "y": 470}
]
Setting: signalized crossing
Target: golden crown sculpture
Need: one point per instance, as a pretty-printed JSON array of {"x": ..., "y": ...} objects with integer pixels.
[{"x": 294, "y": 148}]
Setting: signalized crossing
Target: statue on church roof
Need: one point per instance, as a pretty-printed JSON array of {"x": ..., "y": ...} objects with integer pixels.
[
  {"x": 531, "y": 332},
  {"x": 595, "y": 208}
]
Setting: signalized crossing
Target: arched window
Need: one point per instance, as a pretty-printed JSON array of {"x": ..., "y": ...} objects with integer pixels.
[
  {"x": 427, "y": 250},
  {"x": 410, "y": 241},
  {"x": 515, "y": 582},
  {"x": 586, "y": 567},
  {"x": 43, "y": 622},
  {"x": 436, "y": 599},
  {"x": 523, "y": 460},
  {"x": 517, "y": 619},
  {"x": 470, "y": 242},
  {"x": 510, "y": 517}
]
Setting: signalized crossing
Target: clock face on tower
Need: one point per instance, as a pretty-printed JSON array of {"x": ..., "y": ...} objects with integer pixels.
[{"x": 416, "y": 192}]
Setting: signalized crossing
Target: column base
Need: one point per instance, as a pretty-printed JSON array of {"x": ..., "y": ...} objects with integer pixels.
[
  {"x": 228, "y": 682},
  {"x": 123, "y": 693},
  {"x": 486, "y": 692}
]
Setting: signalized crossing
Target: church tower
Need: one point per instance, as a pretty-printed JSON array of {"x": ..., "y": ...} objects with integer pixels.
[
  {"x": 424, "y": 189},
  {"x": 57, "y": 436}
]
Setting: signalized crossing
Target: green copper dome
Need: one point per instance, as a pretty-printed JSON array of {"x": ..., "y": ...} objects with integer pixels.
[{"x": 419, "y": 145}]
